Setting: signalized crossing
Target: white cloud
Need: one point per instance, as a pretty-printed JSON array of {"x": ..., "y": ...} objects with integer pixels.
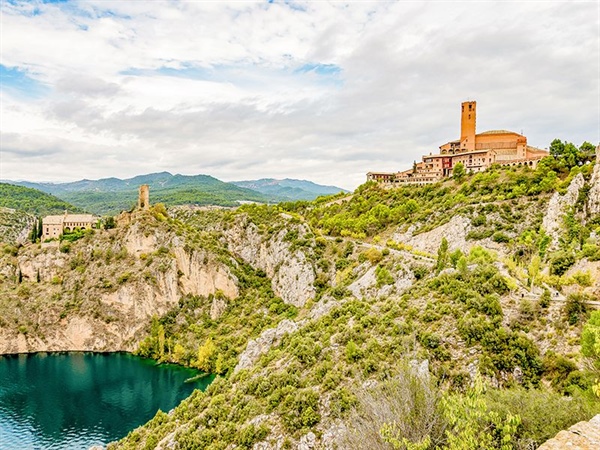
[{"x": 215, "y": 87}]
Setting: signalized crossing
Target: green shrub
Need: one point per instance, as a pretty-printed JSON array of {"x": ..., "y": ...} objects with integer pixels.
[
  {"x": 383, "y": 276},
  {"x": 353, "y": 352},
  {"x": 576, "y": 308},
  {"x": 300, "y": 409},
  {"x": 500, "y": 237},
  {"x": 560, "y": 262}
]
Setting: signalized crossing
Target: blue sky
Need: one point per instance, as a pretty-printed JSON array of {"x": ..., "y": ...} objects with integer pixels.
[
  {"x": 18, "y": 83},
  {"x": 324, "y": 91}
]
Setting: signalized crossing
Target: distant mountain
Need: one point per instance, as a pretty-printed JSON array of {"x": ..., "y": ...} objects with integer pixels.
[
  {"x": 112, "y": 195},
  {"x": 32, "y": 201},
  {"x": 289, "y": 189}
]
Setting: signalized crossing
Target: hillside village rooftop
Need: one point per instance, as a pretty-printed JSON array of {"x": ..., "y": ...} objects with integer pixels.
[{"x": 476, "y": 152}]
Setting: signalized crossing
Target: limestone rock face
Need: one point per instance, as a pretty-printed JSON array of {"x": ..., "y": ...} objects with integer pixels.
[
  {"x": 137, "y": 242},
  {"x": 581, "y": 436},
  {"x": 263, "y": 343},
  {"x": 366, "y": 283},
  {"x": 203, "y": 275},
  {"x": 558, "y": 207},
  {"x": 593, "y": 205},
  {"x": 455, "y": 231},
  {"x": 291, "y": 273},
  {"x": 46, "y": 265},
  {"x": 15, "y": 226},
  {"x": 118, "y": 296}
]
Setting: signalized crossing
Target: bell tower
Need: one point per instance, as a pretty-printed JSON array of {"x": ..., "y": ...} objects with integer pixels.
[
  {"x": 467, "y": 126},
  {"x": 144, "y": 197}
]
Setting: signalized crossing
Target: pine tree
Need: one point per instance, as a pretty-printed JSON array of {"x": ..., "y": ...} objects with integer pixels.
[
  {"x": 40, "y": 229},
  {"x": 34, "y": 232},
  {"x": 442, "y": 259}
]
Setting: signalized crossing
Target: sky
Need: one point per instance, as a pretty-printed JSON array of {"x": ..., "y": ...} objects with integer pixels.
[{"x": 317, "y": 90}]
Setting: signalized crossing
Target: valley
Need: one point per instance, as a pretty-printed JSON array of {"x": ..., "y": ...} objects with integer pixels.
[{"x": 310, "y": 313}]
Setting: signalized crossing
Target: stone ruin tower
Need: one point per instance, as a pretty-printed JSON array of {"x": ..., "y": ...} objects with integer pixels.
[{"x": 144, "y": 197}]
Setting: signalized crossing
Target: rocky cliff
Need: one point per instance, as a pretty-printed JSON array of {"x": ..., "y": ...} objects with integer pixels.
[
  {"x": 99, "y": 293},
  {"x": 291, "y": 272},
  {"x": 593, "y": 205},
  {"x": 581, "y": 436},
  {"x": 559, "y": 205}
]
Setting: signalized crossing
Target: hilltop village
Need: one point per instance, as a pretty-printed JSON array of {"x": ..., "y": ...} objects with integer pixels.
[{"x": 475, "y": 151}]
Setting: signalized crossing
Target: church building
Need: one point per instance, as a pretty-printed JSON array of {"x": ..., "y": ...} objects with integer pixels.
[{"x": 475, "y": 151}]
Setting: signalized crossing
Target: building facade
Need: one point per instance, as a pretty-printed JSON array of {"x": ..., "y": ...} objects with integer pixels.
[
  {"x": 476, "y": 152},
  {"x": 54, "y": 226}
]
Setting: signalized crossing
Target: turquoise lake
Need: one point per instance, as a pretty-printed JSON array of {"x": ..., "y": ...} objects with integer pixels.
[{"x": 76, "y": 400}]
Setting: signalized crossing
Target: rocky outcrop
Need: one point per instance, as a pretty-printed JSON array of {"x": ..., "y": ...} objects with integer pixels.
[
  {"x": 138, "y": 241},
  {"x": 73, "y": 334},
  {"x": 366, "y": 283},
  {"x": 43, "y": 265},
  {"x": 101, "y": 295},
  {"x": 201, "y": 274},
  {"x": 581, "y": 436},
  {"x": 593, "y": 204},
  {"x": 455, "y": 231},
  {"x": 15, "y": 226},
  {"x": 558, "y": 207},
  {"x": 262, "y": 344},
  {"x": 292, "y": 275}
]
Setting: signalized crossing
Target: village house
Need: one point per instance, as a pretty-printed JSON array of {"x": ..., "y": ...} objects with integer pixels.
[{"x": 476, "y": 152}]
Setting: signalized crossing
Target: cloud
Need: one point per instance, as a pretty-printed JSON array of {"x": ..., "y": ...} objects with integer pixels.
[
  {"x": 85, "y": 85},
  {"x": 316, "y": 90}
]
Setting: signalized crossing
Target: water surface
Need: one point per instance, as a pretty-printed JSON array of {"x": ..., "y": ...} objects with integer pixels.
[{"x": 76, "y": 400}]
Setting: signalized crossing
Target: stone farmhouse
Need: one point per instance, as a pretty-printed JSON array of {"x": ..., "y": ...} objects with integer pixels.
[
  {"x": 475, "y": 151},
  {"x": 54, "y": 226}
]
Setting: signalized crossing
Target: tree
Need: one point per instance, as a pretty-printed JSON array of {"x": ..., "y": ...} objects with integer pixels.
[
  {"x": 557, "y": 148},
  {"x": 587, "y": 148},
  {"x": 206, "y": 356},
  {"x": 590, "y": 337},
  {"x": 442, "y": 258},
  {"x": 458, "y": 172},
  {"x": 34, "y": 232},
  {"x": 40, "y": 228},
  {"x": 472, "y": 424},
  {"x": 568, "y": 153},
  {"x": 109, "y": 222}
]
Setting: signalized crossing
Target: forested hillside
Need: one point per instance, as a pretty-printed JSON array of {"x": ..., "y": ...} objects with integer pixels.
[{"x": 32, "y": 201}]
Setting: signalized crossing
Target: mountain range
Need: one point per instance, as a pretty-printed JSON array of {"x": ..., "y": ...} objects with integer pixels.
[
  {"x": 289, "y": 188},
  {"x": 112, "y": 195}
]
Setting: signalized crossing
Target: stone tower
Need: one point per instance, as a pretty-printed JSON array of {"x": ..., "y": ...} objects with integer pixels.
[
  {"x": 467, "y": 126},
  {"x": 144, "y": 197}
]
